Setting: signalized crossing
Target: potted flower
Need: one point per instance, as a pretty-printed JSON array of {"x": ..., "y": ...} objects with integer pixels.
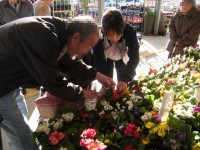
[{"x": 148, "y": 22}]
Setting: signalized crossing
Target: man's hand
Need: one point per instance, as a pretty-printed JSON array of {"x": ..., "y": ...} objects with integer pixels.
[
  {"x": 176, "y": 43},
  {"x": 121, "y": 86},
  {"x": 107, "y": 82},
  {"x": 90, "y": 94}
]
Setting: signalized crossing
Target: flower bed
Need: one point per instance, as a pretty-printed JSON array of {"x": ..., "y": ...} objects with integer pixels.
[{"x": 131, "y": 120}]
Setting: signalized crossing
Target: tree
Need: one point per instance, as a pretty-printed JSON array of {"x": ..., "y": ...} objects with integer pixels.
[{"x": 85, "y": 6}]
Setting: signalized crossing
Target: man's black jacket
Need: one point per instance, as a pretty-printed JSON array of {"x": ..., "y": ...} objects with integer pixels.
[{"x": 29, "y": 48}]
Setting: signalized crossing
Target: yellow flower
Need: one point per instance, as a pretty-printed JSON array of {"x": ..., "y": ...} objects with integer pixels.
[
  {"x": 138, "y": 129},
  {"x": 107, "y": 141},
  {"x": 164, "y": 125},
  {"x": 197, "y": 146},
  {"x": 198, "y": 81},
  {"x": 148, "y": 125},
  {"x": 126, "y": 91},
  {"x": 161, "y": 132},
  {"x": 161, "y": 92},
  {"x": 153, "y": 112},
  {"x": 196, "y": 75},
  {"x": 154, "y": 130},
  {"x": 145, "y": 140}
]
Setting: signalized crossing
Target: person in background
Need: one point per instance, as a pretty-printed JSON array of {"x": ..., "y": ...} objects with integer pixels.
[
  {"x": 11, "y": 10},
  {"x": 119, "y": 46},
  {"x": 43, "y": 7},
  {"x": 44, "y": 51},
  {"x": 184, "y": 28}
]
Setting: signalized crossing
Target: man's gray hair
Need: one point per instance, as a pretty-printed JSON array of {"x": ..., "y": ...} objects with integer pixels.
[{"x": 85, "y": 25}]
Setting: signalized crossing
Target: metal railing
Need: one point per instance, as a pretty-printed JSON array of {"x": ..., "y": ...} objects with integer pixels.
[{"x": 62, "y": 9}]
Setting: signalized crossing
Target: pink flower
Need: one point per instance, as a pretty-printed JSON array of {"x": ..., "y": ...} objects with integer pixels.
[
  {"x": 196, "y": 109},
  {"x": 86, "y": 142},
  {"x": 54, "y": 141},
  {"x": 157, "y": 117},
  {"x": 61, "y": 135},
  {"x": 89, "y": 133},
  {"x": 97, "y": 146},
  {"x": 56, "y": 137}
]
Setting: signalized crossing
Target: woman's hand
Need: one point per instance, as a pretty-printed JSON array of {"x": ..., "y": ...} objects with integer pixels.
[
  {"x": 121, "y": 86},
  {"x": 106, "y": 81}
]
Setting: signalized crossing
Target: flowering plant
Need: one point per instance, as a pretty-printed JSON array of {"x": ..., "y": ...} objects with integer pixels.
[{"x": 130, "y": 120}]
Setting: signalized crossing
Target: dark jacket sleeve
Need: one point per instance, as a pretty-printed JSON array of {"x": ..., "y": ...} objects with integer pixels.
[
  {"x": 172, "y": 30},
  {"x": 38, "y": 50},
  {"x": 76, "y": 70},
  {"x": 130, "y": 37}
]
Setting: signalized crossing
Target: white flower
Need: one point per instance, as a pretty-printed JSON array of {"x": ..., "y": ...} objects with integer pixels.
[
  {"x": 130, "y": 105},
  {"x": 151, "y": 75},
  {"x": 118, "y": 105},
  {"x": 124, "y": 99},
  {"x": 104, "y": 102},
  {"x": 168, "y": 69},
  {"x": 90, "y": 105},
  {"x": 68, "y": 117},
  {"x": 161, "y": 71},
  {"x": 146, "y": 116},
  {"x": 156, "y": 105},
  {"x": 43, "y": 128},
  {"x": 157, "y": 81},
  {"x": 62, "y": 148},
  {"x": 58, "y": 124},
  {"x": 102, "y": 112},
  {"x": 108, "y": 107},
  {"x": 114, "y": 114}
]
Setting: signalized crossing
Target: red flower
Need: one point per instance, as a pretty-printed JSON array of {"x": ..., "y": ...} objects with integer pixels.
[
  {"x": 128, "y": 131},
  {"x": 136, "y": 134},
  {"x": 171, "y": 81},
  {"x": 85, "y": 115},
  {"x": 103, "y": 116},
  {"x": 129, "y": 147},
  {"x": 137, "y": 88},
  {"x": 168, "y": 65},
  {"x": 153, "y": 71},
  {"x": 116, "y": 95}
]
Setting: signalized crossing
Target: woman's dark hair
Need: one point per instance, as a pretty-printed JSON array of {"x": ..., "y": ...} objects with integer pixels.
[{"x": 113, "y": 21}]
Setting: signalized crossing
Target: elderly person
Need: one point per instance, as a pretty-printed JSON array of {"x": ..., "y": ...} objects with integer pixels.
[
  {"x": 14, "y": 9},
  {"x": 184, "y": 28},
  {"x": 43, "y": 7},
  {"x": 44, "y": 51},
  {"x": 11, "y": 10}
]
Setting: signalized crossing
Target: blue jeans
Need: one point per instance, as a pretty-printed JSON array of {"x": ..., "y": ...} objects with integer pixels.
[
  {"x": 22, "y": 104},
  {"x": 15, "y": 124}
]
